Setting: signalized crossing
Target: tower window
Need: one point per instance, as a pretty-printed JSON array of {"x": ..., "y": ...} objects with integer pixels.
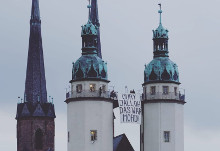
[
  {"x": 166, "y": 136},
  {"x": 92, "y": 87},
  {"x": 153, "y": 90},
  {"x": 93, "y": 134},
  {"x": 68, "y": 136},
  {"x": 103, "y": 88},
  {"x": 165, "y": 89},
  {"x": 79, "y": 88},
  {"x": 38, "y": 139},
  {"x": 175, "y": 91}
]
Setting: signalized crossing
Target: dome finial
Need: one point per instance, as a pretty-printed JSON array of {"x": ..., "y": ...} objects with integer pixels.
[
  {"x": 160, "y": 11},
  {"x": 89, "y": 7}
]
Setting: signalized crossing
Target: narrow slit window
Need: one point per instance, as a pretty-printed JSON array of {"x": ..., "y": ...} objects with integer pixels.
[{"x": 175, "y": 91}]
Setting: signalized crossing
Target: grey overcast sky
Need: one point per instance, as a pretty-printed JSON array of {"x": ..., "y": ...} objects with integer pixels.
[{"x": 126, "y": 37}]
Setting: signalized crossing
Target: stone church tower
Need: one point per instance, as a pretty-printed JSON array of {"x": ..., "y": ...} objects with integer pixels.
[
  {"x": 35, "y": 116},
  {"x": 162, "y": 127},
  {"x": 89, "y": 107}
]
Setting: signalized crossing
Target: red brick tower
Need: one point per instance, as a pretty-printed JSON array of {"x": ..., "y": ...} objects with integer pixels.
[{"x": 35, "y": 116}]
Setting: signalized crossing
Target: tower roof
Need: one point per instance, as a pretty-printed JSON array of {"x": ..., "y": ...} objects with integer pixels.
[
  {"x": 89, "y": 65},
  {"x": 160, "y": 32},
  {"x": 89, "y": 29},
  {"x": 35, "y": 85},
  {"x": 121, "y": 143},
  {"x": 39, "y": 109},
  {"x": 160, "y": 38},
  {"x": 161, "y": 68}
]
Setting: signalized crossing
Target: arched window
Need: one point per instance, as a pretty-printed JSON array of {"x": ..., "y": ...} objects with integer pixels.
[{"x": 38, "y": 139}]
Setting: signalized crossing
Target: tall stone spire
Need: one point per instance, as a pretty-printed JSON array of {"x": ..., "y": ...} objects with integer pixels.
[
  {"x": 35, "y": 11},
  {"x": 35, "y": 115},
  {"x": 95, "y": 21},
  {"x": 35, "y": 85}
]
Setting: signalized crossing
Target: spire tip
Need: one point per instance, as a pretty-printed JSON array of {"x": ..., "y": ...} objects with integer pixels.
[
  {"x": 89, "y": 7},
  {"x": 160, "y": 11}
]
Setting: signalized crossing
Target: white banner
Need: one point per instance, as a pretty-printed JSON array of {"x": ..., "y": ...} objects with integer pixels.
[{"x": 130, "y": 108}]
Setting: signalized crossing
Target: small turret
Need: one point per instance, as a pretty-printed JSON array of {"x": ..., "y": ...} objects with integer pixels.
[{"x": 160, "y": 38}]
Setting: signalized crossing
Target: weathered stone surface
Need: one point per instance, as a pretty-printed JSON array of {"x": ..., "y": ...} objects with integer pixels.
[{"x": 26, "y": 129}]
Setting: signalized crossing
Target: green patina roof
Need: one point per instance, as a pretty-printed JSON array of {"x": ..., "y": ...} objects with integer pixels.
[
  {"x": 89, "y": 29},
  {"x": 160, "y": 32},
  {"x": 90, "y": 66},
  {"x": 161, "y": 69}
]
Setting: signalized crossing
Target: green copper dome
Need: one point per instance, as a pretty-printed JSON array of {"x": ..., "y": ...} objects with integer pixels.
[
  {"x": 161, "y": 68},
  {"x": 89, "y": 66}
]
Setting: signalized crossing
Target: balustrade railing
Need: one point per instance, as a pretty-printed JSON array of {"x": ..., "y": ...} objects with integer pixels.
[
  {"x": 113, "y": 95},
  {"x": 160, "y": 95},
  {"x": 88, "y": 93}
]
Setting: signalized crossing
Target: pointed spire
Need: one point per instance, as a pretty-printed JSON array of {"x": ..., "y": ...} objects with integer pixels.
[
  {"x": 160, "y": 12},
  {"x": 89, "y": 36},
  {"x": 25, "y": 111},
  {"x": 95, "y": 21},
  {"x": 35, "y": 11},
  {"x": 35, "y": 85},
  {"x": 160, "y": 38},
  {"x": 39, "y": 111},
  {"x": 89, "y": 7},
  {"x": 94, "y": 13}
]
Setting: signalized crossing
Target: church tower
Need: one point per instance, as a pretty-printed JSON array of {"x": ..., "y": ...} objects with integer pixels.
[
  {"x": 35, "y": 115},
  {"x": 162, "y": 127},
  {"x": 89, "y": 107}
]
